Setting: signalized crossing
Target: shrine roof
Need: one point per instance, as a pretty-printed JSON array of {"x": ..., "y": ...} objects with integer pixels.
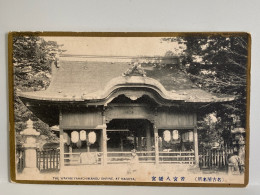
[{"x": 93, "y": 80}]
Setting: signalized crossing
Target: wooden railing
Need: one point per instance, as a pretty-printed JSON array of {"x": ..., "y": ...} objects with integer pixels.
[
  {"x": 125, "y": 157},
  {"x": 186, "y": 157},
  {"x": 112, "y": 157},
  {"x": 146, "y": 156},
  {"x": 83, "y": 158},
  {"x": 214, "y": 159},
  {"x": 48, "y": 160}
]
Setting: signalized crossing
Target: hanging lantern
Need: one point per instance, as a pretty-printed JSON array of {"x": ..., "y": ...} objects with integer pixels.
[
  {"x": 66, "y": 138},
  {"x": 83, "y": 135},
  {"x": 167, "y": 135},
  {"x": 175, "y": 135},
  {"x": 190, "y": 136},
  {"x": 79, "y": 143},
  {"x": 75, "y": 136},
  {"x": 92, "y": 137}
]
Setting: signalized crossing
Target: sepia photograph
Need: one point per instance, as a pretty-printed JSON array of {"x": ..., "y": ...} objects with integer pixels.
[{"x": 129, "y": 108}]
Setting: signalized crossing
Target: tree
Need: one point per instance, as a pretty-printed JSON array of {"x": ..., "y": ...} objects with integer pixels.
[
  {"x": 217, "y": 64},
  {"x": 32, "y": 58}
]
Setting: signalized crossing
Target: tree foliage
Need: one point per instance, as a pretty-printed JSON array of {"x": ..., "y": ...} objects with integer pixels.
[
  {"x": 217, "y": 64},
  {"x": 32, "y": 58}
]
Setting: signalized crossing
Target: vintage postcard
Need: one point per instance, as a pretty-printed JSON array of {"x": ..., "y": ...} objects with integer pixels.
[{"x": 168, "y": 109}]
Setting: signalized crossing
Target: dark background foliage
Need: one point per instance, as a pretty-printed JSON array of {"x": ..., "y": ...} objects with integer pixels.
[
  {"x": 32, "y": 58},
  {"x": 217, "y": 64}
]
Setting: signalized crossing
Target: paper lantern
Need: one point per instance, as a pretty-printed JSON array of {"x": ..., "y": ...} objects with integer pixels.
[
  {"x": 82, "y": 135},
  {"x": 175, "y": 135},
  {"x": 167, "y": 135},
  {"x": 66, "y": 138},
  {"x": 190, "y": 136},
  {"x": 92, "y": 137},
  {"x": 75, "y": 136}
]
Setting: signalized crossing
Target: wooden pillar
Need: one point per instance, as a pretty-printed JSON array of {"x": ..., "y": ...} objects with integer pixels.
[
  {"x": 104, "y": 136},
  {"x": 196, "y": 147},
  {"x": 61, "y": 144},
  {"x": 156, "y": 145},
  {"x": 70, "y": 151},
  {"x": 148, "y": 137},
  {"x": 88, "y": 147},
  {"x": 104, "y": 140},
  {"x": 100, "y": 141},
  {"x": 61, "y": 149}
]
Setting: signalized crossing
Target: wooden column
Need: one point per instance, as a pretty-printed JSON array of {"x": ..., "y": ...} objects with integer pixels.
[
  {"x": 61, "y": 149},
  {"x": 61, "y": 144},
  {"x": 100, "y": 141},
  {"x": 148, "y": 138},
  {"x": 196, "y": 147},
  {"x": 156, "y": 145},
  {"x": 104, "y": 139},
  {"x": 104, "y": 136},
  {"x": 88, "y": 147},
  {"x": 70, "y": 151}
]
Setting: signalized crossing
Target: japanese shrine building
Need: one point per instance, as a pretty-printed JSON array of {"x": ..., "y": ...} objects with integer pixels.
[{"x": 106, "y": 110}]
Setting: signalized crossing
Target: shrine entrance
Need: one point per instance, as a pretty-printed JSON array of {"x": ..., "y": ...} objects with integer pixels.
[{"x": 128, "y": 136}]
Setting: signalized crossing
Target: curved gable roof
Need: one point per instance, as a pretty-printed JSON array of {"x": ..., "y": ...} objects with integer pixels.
[{"x": 81, "y": 81}]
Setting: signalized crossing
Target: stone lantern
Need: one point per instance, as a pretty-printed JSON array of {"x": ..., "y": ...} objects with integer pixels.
[
  {"x": 30, "y": 147},
  {"x": 238, "y": 159},
  {"x": 238, "y": 134}
]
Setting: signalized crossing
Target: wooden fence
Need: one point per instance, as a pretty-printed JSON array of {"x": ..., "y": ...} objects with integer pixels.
[
  {"x": 125, "y": 157},
  {"x": 82, "y": 158},
  {"x": 185, "y": 157},
  {"x": 48, "y": 160},
  {"x": 214, "y": 159}
]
